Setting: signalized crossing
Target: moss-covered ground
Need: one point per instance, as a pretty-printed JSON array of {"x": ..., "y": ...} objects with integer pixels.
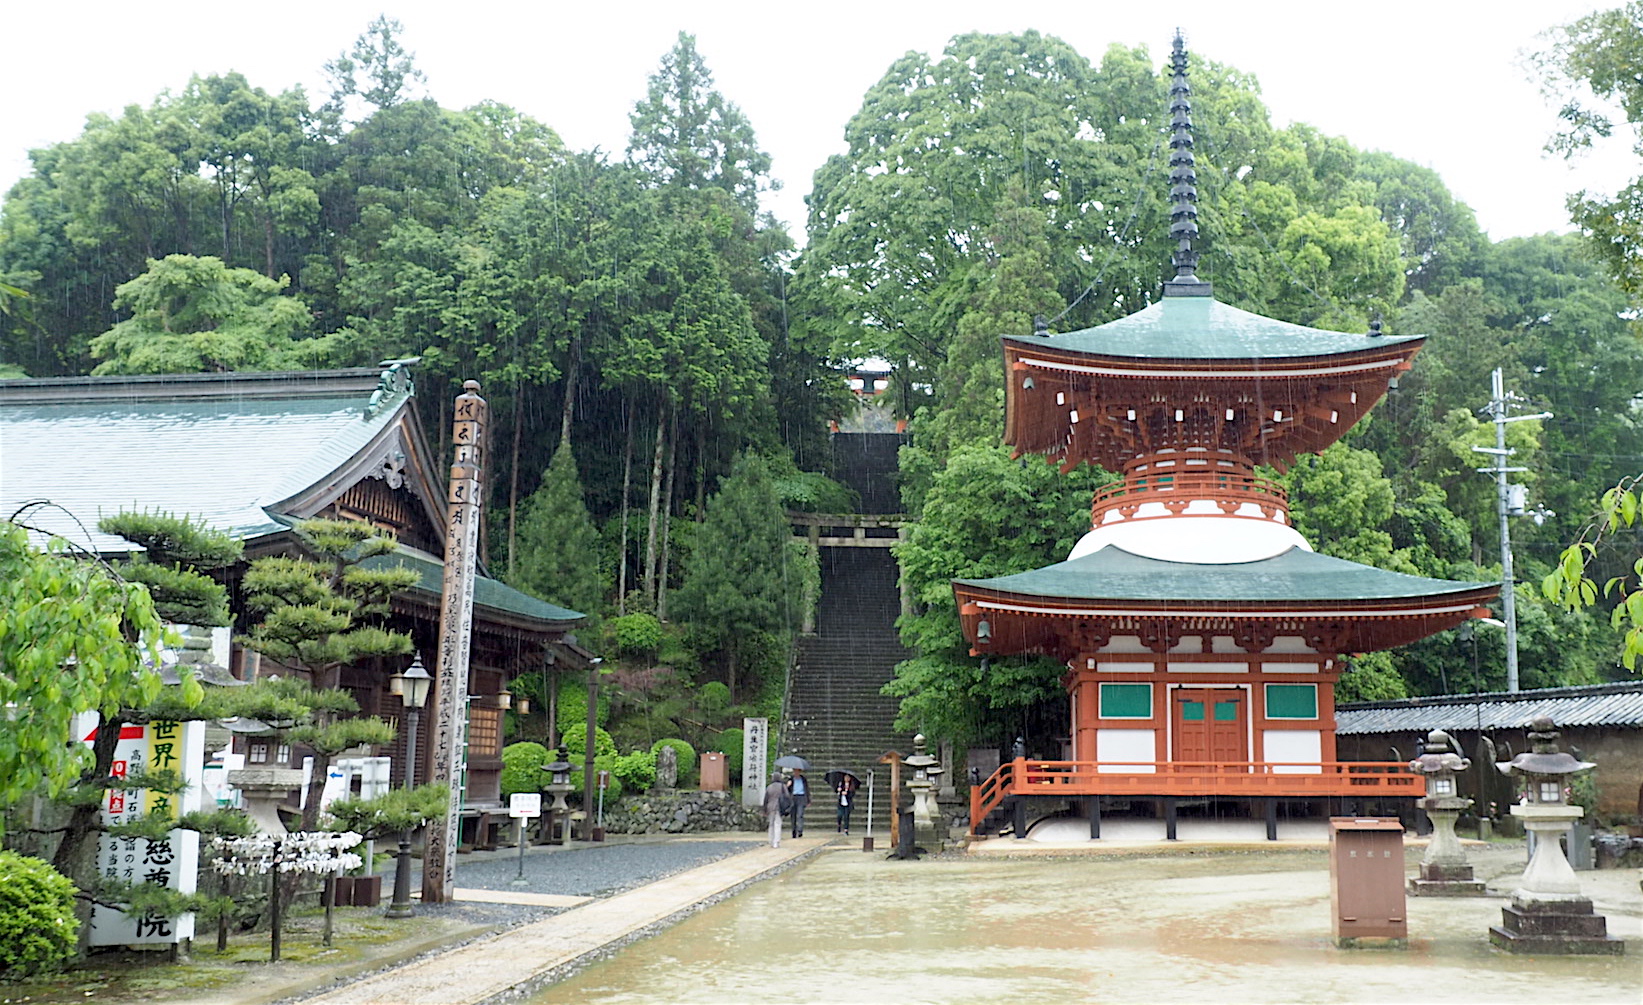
[{"x": 362, "y": 941}]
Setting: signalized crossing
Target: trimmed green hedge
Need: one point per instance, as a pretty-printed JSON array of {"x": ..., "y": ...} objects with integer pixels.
[
  {"x": 687, "y": 759},
  {"x": 38, "y": 930}
]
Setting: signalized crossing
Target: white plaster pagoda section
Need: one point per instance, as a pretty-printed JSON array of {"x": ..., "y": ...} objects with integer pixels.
[
  {"x": 1206, "y": 507},
  {"x": 1548, "y": 879},
  {"x": 1194, "y": 505}
]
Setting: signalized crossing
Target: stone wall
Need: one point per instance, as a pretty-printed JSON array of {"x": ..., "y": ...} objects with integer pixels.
[{"x": 677, "y": 812}]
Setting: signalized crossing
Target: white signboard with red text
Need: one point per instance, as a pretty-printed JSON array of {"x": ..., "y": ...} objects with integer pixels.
[{"x": 173, "y": 862}]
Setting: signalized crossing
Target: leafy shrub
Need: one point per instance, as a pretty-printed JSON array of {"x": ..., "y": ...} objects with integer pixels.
[
  {"x": 812, "y": 492},
  {"x": 522, "y": 767},
  {"x": 713, "y": 701},
  {"x": 687, "y": 758},
  {"x": 729, "y": 743},
  {"x": 636, "y": 771},
  {"x": 574, "y": 741},
  {"x": 573, "y": 703},
  {"x": 38, "y": 930},
  {"x": 636, "y": 634},
  {"x": 613, "y": 792}
]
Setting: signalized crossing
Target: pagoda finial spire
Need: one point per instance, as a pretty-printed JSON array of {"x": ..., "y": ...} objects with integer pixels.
[{"x": 1183, "y": 178}]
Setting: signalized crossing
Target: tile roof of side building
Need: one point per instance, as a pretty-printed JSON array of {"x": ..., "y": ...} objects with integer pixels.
[
  {"x": 1618, "y": 705},
  {"x": 231, "y": 449}
]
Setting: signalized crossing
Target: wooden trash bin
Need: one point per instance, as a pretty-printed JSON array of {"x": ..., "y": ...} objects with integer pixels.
[{"x": 1366, "y": 880}]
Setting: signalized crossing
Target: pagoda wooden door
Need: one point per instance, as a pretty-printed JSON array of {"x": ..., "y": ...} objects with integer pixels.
[{"x": 1210, "y": 725}]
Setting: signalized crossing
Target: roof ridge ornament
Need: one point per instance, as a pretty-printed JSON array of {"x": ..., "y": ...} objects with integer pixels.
[
  {"x": 394, "y": 384},
  {"x": 1183, "y": 178}
]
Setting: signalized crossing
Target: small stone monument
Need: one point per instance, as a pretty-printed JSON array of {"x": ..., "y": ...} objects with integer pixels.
[
  {"x": 1444, "y": 871},
  {"x": 667, "y": 768},
  {"x": 928, "y": 830},
  {"x": 1548, "y": 913}
]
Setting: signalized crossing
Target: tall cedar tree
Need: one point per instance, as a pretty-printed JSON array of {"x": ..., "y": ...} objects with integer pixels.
[
  {"x": 318, "y": 615},
  {"x": 740, "y": 578},
  {"x": 558, "y": 543}
]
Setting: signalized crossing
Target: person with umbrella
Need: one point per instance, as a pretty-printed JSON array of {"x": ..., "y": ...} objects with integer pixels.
[
  {"x": 845, "y": 784},
  {"x": 798, "y": 787}
]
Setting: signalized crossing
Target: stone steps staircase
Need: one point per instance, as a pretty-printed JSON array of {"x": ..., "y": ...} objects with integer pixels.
[{"x": 836, "y": 716}]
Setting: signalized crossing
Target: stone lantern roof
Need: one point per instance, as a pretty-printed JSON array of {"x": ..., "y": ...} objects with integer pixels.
[{"x": 1543, "y": 756}]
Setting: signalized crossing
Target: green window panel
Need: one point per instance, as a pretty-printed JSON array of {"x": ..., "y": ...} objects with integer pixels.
[
  {"x": 1192, "y": 711},
  {"x": 1226, "y": 711},
  {"x": 1292, "y": 701},
  {"x": 1126, "y": 701}
]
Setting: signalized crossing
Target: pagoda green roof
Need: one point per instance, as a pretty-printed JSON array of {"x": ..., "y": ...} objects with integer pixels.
[
  {"x": 488, "y": 593},
  {"x": 1203, "y": 328},
  {"x": 1294, "y": 576}
]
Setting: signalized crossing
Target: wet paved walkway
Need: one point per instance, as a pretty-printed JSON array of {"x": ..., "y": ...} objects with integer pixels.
[
  {"x": 1261, "y": 907},
  {"x": 520, "y": 956}
]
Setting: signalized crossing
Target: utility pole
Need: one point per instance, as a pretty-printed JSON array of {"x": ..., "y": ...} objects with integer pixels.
[{"x": 1509, "y": 500}]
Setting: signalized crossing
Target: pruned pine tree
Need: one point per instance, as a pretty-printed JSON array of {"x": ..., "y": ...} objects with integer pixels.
[{"x": 317, "y": 615}]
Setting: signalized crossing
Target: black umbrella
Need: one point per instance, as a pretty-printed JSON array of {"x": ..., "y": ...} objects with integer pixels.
[
  {"x": 837, "y": 776},
  {"x": 793, "y": 761}
]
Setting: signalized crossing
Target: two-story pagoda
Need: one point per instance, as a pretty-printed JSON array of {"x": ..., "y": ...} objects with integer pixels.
[{"x": 1202, "y": 635}]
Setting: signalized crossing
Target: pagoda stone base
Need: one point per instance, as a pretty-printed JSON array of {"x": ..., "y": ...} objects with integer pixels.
[
  {"x": 1438, "y": 879},
  {"x": 1565, "y": 928}
]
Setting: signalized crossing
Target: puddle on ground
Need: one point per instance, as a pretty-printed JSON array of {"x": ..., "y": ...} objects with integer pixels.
[{"x": 850, "y": 927}]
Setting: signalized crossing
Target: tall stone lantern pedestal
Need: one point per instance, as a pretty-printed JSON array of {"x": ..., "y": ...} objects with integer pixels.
[
  {"x": 556, "y": 826},
  {"x": 1548, "y": 914},
  {"x": 928, "y": 832},
  {"x": 1444, "y": 870}
]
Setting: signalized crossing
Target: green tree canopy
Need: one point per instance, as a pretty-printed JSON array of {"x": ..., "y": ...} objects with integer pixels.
[
  {"x": 985, "y": 515},
  {"x": 74, "y": 638},
  {"x": 1590, "y": 68},
  {"x": 195, "y": 314},
  {"x": 745, "y": 574}
]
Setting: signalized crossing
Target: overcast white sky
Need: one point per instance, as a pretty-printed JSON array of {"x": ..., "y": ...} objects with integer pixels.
[{"x": 1438, "y": 82}]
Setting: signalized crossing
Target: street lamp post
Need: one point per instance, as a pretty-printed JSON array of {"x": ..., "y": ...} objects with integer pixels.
[{"x": 412, "y": 687}]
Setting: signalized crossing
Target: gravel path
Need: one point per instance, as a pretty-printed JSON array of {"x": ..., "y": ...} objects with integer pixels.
[
  {"x": 590, "y": 870},
  {"x": 599, "y": 870}
]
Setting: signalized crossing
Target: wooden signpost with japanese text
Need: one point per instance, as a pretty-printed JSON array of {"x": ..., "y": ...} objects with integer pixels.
[{"x": 455, "y": 638}]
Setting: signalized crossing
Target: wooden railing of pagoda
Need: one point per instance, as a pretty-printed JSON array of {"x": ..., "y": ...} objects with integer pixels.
[
  {"x": 1175, "y": 489},
  {"x": 1168, "y": 779}
]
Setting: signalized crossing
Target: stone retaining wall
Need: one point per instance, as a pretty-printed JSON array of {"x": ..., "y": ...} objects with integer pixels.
[{"x": 681, "y": 813}]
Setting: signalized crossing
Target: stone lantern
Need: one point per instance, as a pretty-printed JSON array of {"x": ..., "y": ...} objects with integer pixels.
[
  {"x": 1548, "y": 914},
  {"x": 928, "y": 831},
  {"x": 558, "y": 811},
  {"x": 1444, "y": 870}
]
